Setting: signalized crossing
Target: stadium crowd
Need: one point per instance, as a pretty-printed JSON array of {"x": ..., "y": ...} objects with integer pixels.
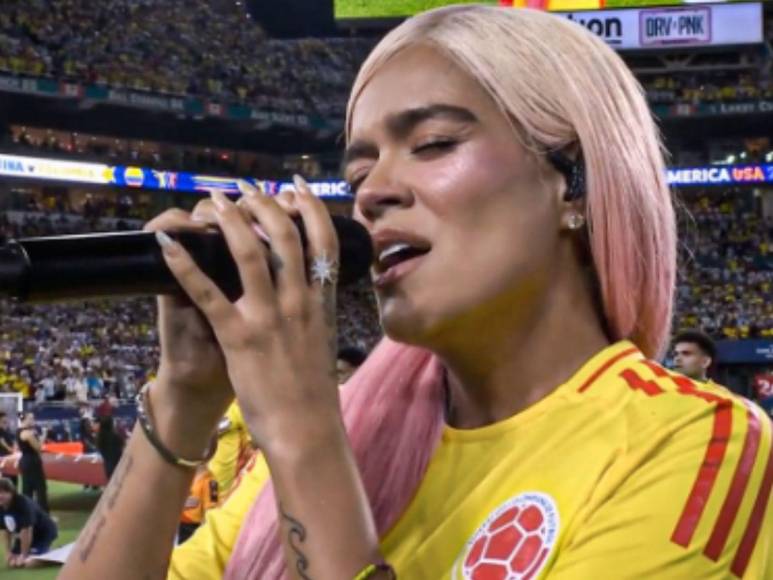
[
  {"x": 210, "y": 50},
  {"x": 77, "y": 351},
  {"x": 726, "y": 271},
  {"x": 691, "y": 88},
  {"x": 176, "y": 47}
]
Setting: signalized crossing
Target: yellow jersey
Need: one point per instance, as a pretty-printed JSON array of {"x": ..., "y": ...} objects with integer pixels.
[
  {"x": 233, "y": 443},
  {"x": 626, "y": 471}
]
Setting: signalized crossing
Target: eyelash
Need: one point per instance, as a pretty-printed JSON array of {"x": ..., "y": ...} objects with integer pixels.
[{"x": 438, "y": 145}]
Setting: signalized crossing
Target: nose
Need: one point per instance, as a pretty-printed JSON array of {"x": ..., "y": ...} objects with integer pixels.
[{"x": 381, "y": 191}]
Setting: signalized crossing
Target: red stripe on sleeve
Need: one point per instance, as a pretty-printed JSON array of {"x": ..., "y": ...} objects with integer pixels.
[
  {"x": 636, "y": 383},
  {"x": 684, "y": 385},
  {"x": 707, "y": 475},
  {"x": 657, "y": 369},
  {"x": 749, "y": 540},
  {"x": 743, "y": 471},
  {"x": 603, "y": 368}
]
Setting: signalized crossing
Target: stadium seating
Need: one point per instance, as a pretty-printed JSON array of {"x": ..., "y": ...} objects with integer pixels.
[
  {"x": 176, "y": 47},
  {"x": 726, "y": 270}
]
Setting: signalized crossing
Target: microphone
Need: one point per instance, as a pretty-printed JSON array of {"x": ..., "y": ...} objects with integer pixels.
[{"x": 48, "y": 269}]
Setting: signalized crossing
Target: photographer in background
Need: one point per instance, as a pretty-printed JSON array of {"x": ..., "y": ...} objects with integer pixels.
[
  {"x": 7, "y": 446},
  {"x": 27, "y": 530},
  {"x": 31, "y": 463}
]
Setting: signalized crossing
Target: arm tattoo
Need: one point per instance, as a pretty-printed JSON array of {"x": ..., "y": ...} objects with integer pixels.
[
  {"x": 296, "y": 535},
  {"x": 91, "y": 533}
]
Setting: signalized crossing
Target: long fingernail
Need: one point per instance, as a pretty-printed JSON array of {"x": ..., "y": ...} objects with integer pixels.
[
  {"x": 219, "y": 199},
  {"x": 247, "y": 189},
  {"x": 300, "y": 185},
  {"x": 166, "y": 242}
]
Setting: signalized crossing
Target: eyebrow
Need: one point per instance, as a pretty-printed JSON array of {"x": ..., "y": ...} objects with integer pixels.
[{"x": 399, "y": 125}]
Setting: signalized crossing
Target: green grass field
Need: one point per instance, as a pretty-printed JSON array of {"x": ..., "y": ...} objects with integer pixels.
[
  {"x": 72, "y": 506},
  {"x": 391, "y": 8}
]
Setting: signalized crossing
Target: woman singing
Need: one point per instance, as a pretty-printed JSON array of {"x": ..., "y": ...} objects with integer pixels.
[{"x": 513, "y": 424}]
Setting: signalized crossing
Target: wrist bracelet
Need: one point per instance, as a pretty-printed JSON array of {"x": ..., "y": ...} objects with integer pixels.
[
  {"x": 369, "y": 570},
  {"x": 145, "y": 419}
]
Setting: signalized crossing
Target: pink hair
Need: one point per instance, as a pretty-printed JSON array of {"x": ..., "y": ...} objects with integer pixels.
[
  {"x": 391, "y": 405},
  {"x": 558, "y": 84}
]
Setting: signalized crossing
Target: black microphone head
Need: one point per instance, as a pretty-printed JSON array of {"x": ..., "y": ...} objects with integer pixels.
[
  {"x": 356, "y": 249},
  {"x": 130, "y": 263}
]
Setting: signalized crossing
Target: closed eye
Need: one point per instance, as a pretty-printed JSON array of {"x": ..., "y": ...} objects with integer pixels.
[
  {"x": 430, "y": 148},
  {"x": 436, "y": 146}
]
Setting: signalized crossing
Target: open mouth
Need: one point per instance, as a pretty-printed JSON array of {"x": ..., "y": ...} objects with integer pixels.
[
  {"x": 396, "y": 259},
  {"x": 398, "y": 253}
]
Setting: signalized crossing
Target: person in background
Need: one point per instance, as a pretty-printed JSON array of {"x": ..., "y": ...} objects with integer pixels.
[
  {"x": 33, "y": 480},
  {"x": 7, "y": 446},
  {"x": 106, "y": 407},
  {"x": 86, "y": 424},
  {"x": 203, "y": 496},
  {"x": 75, "y": 386},
  {"x": 110, "y": 444},
  {"x": 348, "y": 361},
  {"x": 234, "y": 449},
  {"x": 694, "y": 354},
  {"x": 87, "y": 433},
  {"x": 27, "y": 530},
  {"x": 94, "y": 384}
]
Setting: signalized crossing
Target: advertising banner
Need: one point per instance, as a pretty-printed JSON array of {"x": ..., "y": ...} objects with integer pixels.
[
  {"x": 745, "y": 351},
  {"x": 721, "y": 175},
  {"x": 193, "y": 107},
  {"x": 145, "y": 178},
  {"x": 675, "y": 26}
]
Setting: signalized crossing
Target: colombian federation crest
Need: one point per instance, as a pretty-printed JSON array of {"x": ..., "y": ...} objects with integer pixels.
[{"x": 513, "y": 543}]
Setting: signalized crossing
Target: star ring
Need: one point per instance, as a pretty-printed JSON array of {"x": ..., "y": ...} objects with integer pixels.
[{"x": 324, "y": 270}]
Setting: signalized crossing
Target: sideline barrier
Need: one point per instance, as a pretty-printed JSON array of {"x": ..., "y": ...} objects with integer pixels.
[{"x": 80, "y": 469}]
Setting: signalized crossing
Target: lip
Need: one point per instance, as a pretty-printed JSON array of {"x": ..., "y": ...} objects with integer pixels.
[
  {"x": 396, "y": 272},
  {"x": 383, "y": 238}
]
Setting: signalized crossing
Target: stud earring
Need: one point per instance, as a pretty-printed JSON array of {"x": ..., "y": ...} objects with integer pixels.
[{"x": 576, "y": 221}]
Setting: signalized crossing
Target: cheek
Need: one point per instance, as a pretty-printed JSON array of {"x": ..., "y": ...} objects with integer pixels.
[
  {"x": 493, "y": 195},
  {"x": 474, "y": 174}
]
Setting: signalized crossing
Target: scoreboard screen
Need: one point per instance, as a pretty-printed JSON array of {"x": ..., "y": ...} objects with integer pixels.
[{"x": 386, "y": 9}]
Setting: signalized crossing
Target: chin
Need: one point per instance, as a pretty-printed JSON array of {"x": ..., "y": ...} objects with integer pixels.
[
  {"x": 403, "y": 324},
  {"x": 400, "y": 329}
]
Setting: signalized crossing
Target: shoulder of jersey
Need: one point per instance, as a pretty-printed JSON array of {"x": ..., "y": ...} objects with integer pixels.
[
  {"x": 733, "y": 443},
  {"x": 639, "y": 384}
]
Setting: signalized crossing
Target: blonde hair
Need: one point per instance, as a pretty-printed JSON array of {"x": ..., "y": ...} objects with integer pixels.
[{"x": 558, "y": 85}]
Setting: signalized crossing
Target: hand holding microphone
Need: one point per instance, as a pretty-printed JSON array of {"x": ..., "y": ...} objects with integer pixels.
[{"x": 276, "y": 345}]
